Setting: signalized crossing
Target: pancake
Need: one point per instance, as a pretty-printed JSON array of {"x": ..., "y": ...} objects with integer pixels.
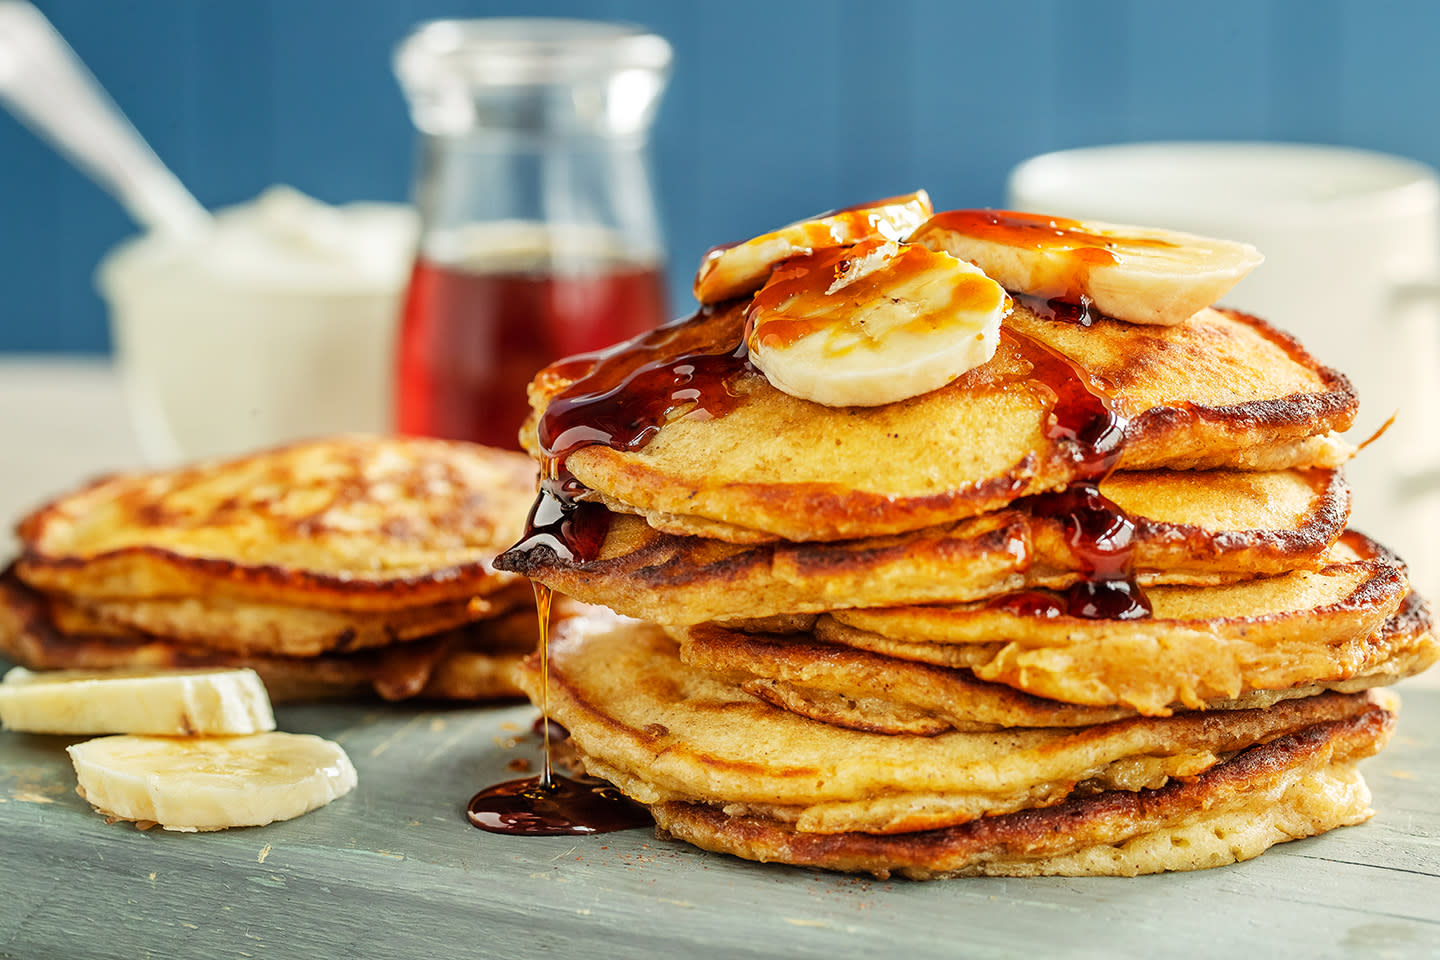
[
  {"x": 1202, "y": 644},
  {"x": 665, "y": 732},
  {"x": 869, "y": 691},
  {"x": 348, "y": 523},
  {"x": 1222, "y": 390},
  {"x": 1189, "y": 527},
  {"x": 475, "y": 662},
  {"x": 1297, "y": 785},
  {"x": 221, "y": 623}
]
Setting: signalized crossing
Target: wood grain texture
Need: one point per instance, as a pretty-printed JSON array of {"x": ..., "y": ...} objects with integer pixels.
[{"x": 392, "y": 870}]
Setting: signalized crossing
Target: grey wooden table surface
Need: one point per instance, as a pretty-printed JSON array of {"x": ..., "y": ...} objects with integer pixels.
[{"x": 392, "y": 870}]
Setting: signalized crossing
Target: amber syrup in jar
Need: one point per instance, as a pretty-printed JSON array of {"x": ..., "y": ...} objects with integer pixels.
[{"x": 472, "y": 337}]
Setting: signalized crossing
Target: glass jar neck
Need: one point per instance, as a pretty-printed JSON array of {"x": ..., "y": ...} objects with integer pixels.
[
  {"x": 568, "y": 199},
  {"x": 533, "y": 136}
]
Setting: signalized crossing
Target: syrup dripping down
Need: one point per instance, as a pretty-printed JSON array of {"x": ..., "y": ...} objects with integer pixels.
[
  {"x": 1082, "y": 418},
  {"x": 1099, "y": 533},
  {"x": 1101, "y": 537},
  {"x": 548, "y": 805},
  {"x": 618, "y": 398}
]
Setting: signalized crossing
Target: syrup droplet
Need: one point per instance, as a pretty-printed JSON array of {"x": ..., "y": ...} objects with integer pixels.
[
  {"x": 560, "y": 522},
  {"x": 1082, "y": 313},
  {"x": 1108, "y": 600},
  {"x": 1099, "y": 533},
  {"x": 1031, "y": 603},
  {"x": 1100, "y": 536},
  {"x": 1086, "y": 600}
]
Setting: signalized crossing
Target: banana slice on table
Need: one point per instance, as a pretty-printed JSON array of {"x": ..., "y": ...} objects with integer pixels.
[
  {"x": 210, "y": 783},
  {"x": 873, "y": 323},
  {"x": 177, "y": 702},
  {"x": 739, "y": 268},
  {"x": 1137, "y": 274}
]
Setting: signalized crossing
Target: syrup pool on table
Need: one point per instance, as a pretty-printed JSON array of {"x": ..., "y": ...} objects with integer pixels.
[{"x": 548, "y": 805}]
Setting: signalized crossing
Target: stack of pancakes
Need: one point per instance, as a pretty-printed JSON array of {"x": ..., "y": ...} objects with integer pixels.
[
  {"x": 338, "y": 567},
  {"x": 933, "y": 637}
]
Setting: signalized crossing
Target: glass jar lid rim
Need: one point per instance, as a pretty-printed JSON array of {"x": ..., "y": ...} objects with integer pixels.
[{"x": 521, "y": 50}]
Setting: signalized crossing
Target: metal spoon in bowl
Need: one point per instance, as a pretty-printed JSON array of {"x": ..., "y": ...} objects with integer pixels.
[{"x": 46, "y": 86}]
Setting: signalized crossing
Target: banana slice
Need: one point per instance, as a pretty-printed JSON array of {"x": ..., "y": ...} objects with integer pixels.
[
  {"x": 210, "y": 783},
  {"x": 178, "y": 702},
  {"x": 740, "y": 268},
  {"x": 1138, "y": 274},
  {"x": 873, "y": 323}
]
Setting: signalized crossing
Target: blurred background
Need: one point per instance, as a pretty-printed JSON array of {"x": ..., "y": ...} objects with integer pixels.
[{"x": 775, "y": 108}]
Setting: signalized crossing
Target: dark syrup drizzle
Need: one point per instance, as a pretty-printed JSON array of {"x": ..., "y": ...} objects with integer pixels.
[
  {"x": 619, "y": 398},
  {"x": 1100, "y": 535},
  {"x": 1081, "y": 418},
  {"x": 1099, "y": 532}
]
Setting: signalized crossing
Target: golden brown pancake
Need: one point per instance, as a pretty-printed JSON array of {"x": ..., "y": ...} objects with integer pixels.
[
  {"x": 855, "y": 688},
  {"x": 1202, "y": 644},
  {"x": 1221, "y": 390},
  {"x": 222, "y": 623},
  {"x": 348, "y": 523},
  {"x": 1297, "y": 785},
  {"x": 475, "y": 662},
  {"x": 664, "y": 732},
  {"x": 1190, "y": 527}
]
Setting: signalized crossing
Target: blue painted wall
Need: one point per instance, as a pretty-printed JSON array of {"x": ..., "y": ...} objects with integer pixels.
[{"x": 777, "y": 108}]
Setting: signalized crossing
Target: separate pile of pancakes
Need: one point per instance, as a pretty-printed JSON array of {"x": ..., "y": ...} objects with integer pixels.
[
  {"x": 1091, "y": 608},
  {"x": 334, "y": 568}
]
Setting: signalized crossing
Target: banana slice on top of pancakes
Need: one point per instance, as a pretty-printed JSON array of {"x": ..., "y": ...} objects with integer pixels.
[
  {"x": 881, "y": 302},
  {"x": 1135, "y": 274},
  {"x": 873, "y": 323},
  {"x": 740, "y": 268}
]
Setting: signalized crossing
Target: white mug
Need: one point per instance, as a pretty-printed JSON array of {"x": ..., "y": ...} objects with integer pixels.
[{"x": 1352, "y": 245}]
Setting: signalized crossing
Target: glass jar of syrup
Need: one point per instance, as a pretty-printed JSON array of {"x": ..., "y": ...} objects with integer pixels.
[{"x": 540, "y": 238}]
